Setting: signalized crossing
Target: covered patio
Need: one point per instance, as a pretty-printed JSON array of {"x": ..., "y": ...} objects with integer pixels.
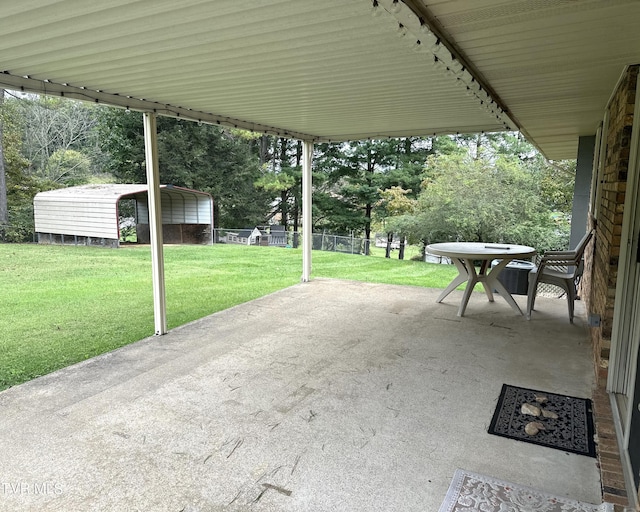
[
  {"x": 147, "y": 422},
  {"x": 357, "y": 397}
]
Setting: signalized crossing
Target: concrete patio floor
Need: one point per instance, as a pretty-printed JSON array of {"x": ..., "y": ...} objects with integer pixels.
[{"x": 329, "y": 395}]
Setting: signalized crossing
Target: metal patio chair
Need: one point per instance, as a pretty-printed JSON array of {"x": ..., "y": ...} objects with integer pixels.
[{"x": 559, "y": 268}]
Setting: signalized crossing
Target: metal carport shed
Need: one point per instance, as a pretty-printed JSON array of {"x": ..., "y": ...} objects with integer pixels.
[{"x": 89, "y": 214}]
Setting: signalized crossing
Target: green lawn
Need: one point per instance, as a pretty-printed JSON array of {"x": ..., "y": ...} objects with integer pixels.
[{"x": 60, "y": 305}]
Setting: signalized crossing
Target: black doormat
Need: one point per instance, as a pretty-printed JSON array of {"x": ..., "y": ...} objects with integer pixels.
[{"x": 564, "y": 422}]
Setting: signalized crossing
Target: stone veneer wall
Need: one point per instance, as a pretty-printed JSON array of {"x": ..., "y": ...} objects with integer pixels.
[{"x": 601, "y": 265}]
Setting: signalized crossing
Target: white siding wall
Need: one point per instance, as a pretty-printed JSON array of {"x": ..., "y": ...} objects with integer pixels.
[{"x": 82, "y": 217}]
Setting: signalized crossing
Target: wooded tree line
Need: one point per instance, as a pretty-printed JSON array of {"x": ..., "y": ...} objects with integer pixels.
[{"x": 481, "y": 187}]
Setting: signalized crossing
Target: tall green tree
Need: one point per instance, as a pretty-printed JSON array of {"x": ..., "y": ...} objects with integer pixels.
[
  {"x": 4, "y": 218},
  {"x": 486, "y": 199},
  {"x": 68, "y": 167},
  {"x": 282, "y": 176},
  {"x": 395, "y": 203},
  {"x": 207, "y": 158},
  {"x": 555, "y": 179},
  {"x": 351, "y": 176},
  {"x": 21, "y": 186}
]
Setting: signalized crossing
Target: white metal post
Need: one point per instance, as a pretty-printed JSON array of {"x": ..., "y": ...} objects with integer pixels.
[
  {"x": 155, "y": 222},
  {"x": 307, "y": 155}
]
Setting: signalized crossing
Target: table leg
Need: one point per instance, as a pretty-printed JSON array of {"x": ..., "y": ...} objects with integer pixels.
[
  {"x": 463, "y": 275},
  {"x": 492, "y": 282},
  {"x": 471, "y": 282},
  {"x": 483, "y": 277},
  {"x": 502, "y": 291}
]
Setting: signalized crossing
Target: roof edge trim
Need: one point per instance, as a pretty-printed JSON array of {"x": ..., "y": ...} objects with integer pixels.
[{"x": 46, "y": 87}]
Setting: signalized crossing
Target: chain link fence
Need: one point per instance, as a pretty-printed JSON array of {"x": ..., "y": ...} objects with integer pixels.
[
  {"x": 344, "y": 244},
  {"x": 255, "y": 236},
  {"x": 280, "y": 238}
]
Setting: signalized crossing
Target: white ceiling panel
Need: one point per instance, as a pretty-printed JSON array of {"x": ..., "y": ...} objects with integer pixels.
[
  {"x": 554, "y": 63},
  {"x": 330, "y": 70}
]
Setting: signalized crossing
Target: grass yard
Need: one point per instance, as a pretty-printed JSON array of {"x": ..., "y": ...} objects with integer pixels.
[{"x": 61, "y": 305}]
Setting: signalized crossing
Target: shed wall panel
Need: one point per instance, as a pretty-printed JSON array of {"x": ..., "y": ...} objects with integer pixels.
[
  {"x": 142, "y": 212},
  {"x": 205, "y": 211},
  {"x": 171, "y": 208},
  {"x": 59, "y": 213},
  {"x": 180, "y": 208},
  {"x": 76, "y": 218}
]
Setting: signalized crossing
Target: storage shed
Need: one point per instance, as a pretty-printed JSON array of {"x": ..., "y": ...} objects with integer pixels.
[{"x": 90, "y": 214}]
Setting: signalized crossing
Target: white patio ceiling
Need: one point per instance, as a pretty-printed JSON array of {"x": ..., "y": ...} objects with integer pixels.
[{"x": 329, "y": 69}]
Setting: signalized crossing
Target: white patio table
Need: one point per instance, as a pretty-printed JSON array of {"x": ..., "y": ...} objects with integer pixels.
[{"x": 463, "y": 255}]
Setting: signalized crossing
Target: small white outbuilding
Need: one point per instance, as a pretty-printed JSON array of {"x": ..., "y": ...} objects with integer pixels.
[{"x": 90, "y": 214}]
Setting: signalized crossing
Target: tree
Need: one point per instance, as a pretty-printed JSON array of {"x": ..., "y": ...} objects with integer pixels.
[
  {"x": 207, "y": 158},
  {"x": 121, "y": 136},
  {"x": 394, "y": 203},
  {"x": 217, "y": 161},
  {"x": 57, "y": 124},
  {"x": 67, "y": 167},
  {"x": 282, "y": 176},
  {"x": 4, "y": 219},
  {"x": 350, "y": 177},
  {"x": 21, "y": 187},
  {"x": 487, "y": 199},
  {"x": 355, "y": 173},
  {"x": 555, "y": 180}
]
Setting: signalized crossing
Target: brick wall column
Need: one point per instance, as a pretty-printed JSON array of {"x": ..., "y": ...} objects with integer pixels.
[{"x": 601, "y": 262}]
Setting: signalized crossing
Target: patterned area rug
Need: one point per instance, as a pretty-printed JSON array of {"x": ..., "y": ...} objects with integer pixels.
[
  {"x": 547, "y": 419},
  {"x": 474, "y": 493}
]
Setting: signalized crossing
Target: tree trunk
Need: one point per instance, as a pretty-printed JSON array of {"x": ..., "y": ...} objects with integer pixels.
[
  {"x": 387, "y": 253},
  {"x": 264, "y": 149},
  {"x": 368, "y": 207},
  {"x": 4, "y": 210},
  {"x": 284, "y": 194},
  {"x": 284, "y": 210},
  {"x": 296, "y": 195},
  {"x": 478, "y": 146},
  {"x": 403, "y": 243},
  {"x": 407, "y": 146},
  {"x": 367, "y": 229},
  {"x": 274, "y": 156}
]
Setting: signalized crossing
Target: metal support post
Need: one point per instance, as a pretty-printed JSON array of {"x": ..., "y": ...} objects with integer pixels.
[
  {"x": 307, "y": 155},
  {"x": 155, "y": 222}
]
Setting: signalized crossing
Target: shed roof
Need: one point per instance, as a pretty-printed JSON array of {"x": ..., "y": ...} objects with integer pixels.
[
  {"x": 108, "y": 193},
  {"x": 329, "y": 70}
]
